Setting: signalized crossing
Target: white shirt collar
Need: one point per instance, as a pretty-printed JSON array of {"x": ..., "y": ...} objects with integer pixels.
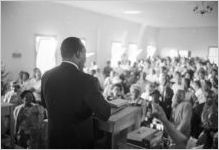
[{"x": 74, "y": 64}]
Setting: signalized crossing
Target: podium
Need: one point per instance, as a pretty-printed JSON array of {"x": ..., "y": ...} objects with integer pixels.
[{"x": 123, "y": 119}]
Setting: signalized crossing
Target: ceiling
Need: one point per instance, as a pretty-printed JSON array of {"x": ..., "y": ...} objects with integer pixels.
[{"x": 153, "y": 13}]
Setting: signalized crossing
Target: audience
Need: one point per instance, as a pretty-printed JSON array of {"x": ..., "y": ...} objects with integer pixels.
[{"x": 181, "y": 92}]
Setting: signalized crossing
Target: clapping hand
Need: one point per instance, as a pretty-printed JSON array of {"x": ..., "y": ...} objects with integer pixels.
[{"x": 158, "y": 112}]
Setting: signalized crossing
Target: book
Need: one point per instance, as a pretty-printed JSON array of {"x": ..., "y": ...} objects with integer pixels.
[{"x": 141, "y": 134}]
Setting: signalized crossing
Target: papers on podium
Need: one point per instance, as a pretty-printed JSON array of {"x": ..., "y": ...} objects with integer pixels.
[
  {"x": 141, "y": 133},
  {"x": 118, "y": 103},
  {"x": 144, "y": 137}
]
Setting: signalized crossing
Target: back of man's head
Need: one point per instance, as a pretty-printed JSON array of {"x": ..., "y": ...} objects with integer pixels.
[{"x": 70, "y": 46}]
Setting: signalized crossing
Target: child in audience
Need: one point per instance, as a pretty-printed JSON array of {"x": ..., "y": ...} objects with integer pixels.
[{"x": 28, "y": 120}]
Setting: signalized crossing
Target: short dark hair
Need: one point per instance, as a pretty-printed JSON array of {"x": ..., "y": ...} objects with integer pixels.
[
  {"x": 70, "y": 46},
  {"x": 24, "y": 93},
  {"x": 187, "y": 81},
  {"x": 198, "y": 83},
  {"x": 27, "y": 74},
  {"x": 208, "y": 83}
]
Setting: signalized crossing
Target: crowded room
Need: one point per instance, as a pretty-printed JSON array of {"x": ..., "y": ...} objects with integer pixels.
[{"x": 92, "y": 74}]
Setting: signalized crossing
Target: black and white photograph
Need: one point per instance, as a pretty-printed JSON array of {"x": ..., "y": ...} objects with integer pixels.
[{"x": 109, "y": 74}]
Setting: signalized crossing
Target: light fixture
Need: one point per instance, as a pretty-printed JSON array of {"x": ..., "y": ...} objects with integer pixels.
[
  {"x": 132, "y": 12},
  {"x": 203, "y": 8}
]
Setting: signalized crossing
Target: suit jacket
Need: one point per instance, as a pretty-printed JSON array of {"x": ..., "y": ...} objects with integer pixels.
[{"x": 72, "y": 98}]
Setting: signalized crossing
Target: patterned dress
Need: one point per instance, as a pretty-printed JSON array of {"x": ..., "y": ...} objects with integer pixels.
[{"x": 28, "y": 125}]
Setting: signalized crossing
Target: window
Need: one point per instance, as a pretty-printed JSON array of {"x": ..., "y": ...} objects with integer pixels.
[
  {"x": 45, "y": 50},
  {"x": 133, "y": 52},
  {"x": 183, "y": 53},
  {"x": 173, "y": 53},
  {"x": 151, "y": 51},
  {"x": 213, "y": 54},
  {"x": 116, "y": 53}
]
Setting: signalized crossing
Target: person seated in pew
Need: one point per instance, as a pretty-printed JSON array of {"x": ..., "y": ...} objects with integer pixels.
[
  {"x": 35, "y": 84},
  {"x": 20, "y": 78},
  {"x": 209, "y": 118},
  {"x": 166, "y": 95},
  {"x": 134, "y": 97},
  {"x": 25, "y": 81},
  {"x": 28, "y": 120},
  {"x": 154, "y": 98},
  {"x": 13, "y": 95},
  {"x": 116, "y": 92},
  {"x": 215, "y": 86},
  {"x": 179, "y": 129},
  {"x": 189, "y": 92}
]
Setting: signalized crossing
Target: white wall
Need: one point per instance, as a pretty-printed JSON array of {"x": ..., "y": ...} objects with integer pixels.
[
  {"x": 197, "y": 40},
  {"x": 21, "y": 21}
]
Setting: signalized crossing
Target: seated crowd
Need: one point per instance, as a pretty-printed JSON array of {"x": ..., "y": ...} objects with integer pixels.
[{"x": 182, "y": 91}]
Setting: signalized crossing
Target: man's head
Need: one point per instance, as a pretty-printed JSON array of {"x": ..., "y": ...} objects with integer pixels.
[
  {"x": 25, "y": 76},
  {"x": 180, "y": 97},
  {"x": 72, "y": 49},
  {"x": 37, "y": 73},
  {"x": 135, "y": 91},
  {"x": 117, "y": 89},
  {"x": 207, "y": 86},
  {"x": 186, "y": 83},
  {"x": 178, "y": 77},
  {"x": 197, "y": 85},
  {"x": 201, "y": 73},
  {"x": 108, "y": 63}
]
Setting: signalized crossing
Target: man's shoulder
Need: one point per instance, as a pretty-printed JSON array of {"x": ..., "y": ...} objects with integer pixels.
[
  {"x": 88, "y": 77},
  {"x": 50, "y": 72}
]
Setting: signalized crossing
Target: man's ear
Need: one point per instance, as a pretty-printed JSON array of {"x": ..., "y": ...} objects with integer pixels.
[{"x": 78, "y": 54}]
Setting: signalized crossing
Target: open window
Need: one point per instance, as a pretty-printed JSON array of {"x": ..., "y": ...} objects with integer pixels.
[
  {"x": 45, "y": 52},
  {"x": 213, "y": 55},
  {"x": 184, "y": 53},
  {"x": 117, "y": 51},
  {"x": 173, "y": 53},
  {"x": 133, "y": 52},
  {"x": 151, "y": 51}
]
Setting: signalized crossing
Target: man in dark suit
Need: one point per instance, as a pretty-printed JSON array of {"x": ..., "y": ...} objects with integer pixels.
[{"x": 72, "y": 98}]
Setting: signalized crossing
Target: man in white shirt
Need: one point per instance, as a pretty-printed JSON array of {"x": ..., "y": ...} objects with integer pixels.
[{"x": 199, "y": 92}]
